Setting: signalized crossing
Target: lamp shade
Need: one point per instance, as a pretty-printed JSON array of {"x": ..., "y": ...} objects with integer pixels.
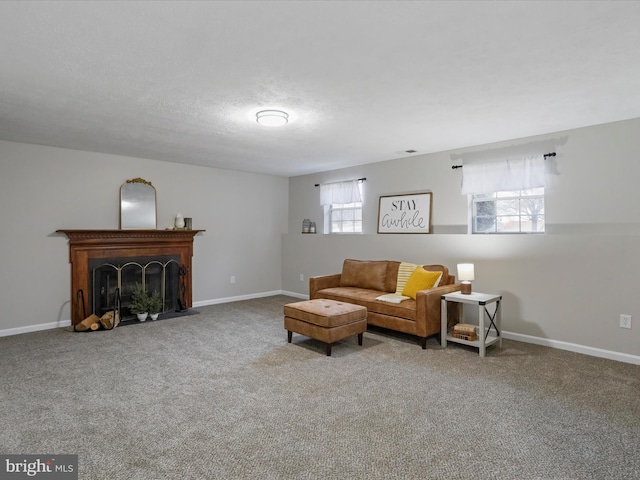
[{"x": 465, "y": 272}]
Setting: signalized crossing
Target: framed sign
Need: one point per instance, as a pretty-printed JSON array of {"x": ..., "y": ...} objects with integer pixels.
[{"x": 409, "y": 213}]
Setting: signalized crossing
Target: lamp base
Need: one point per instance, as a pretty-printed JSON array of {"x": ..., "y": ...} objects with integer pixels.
[{"x": 465, "y": 289}]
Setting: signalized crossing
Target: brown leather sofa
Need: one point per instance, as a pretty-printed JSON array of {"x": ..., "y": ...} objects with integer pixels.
[{"x": 361, "y": 281}]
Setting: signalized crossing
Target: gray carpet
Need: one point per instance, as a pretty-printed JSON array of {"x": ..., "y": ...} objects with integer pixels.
[{"x": 221, "y": 395}]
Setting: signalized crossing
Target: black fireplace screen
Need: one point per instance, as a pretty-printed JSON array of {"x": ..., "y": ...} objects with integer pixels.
[{"x": 161, "y": 274}]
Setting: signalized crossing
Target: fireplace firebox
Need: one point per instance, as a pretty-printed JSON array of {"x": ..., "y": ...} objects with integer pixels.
[
  {"x": 158, "y": 259},
  {"x": 119, "y": 276}
]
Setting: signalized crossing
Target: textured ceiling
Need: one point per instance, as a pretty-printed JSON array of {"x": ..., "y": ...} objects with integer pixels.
[{"x": 363, "y": 81}]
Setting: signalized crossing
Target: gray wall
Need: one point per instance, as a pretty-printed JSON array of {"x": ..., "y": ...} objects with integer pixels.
[
  {"x": 568, "y": 285},
  {"x": 43, "y": 189}
]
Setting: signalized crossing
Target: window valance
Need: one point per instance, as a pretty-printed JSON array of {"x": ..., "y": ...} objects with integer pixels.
[
  {"x": 511, "y": 174},
  {"x": 340, "y": 192}
]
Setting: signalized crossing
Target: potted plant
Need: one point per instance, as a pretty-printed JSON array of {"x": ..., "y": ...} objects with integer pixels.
[
  {"x": 139, "y": 302},
  {"x": 154, "y": 305}
]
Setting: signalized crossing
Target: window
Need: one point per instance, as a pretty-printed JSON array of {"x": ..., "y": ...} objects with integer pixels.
[
  {"x": 342, "y": 203},
  {"x": 345, "y": 217},
  {"x": 514, "y": 211},
  {"x": 506, "y": 196}
]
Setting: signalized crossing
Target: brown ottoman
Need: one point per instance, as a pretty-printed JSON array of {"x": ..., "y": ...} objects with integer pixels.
[{"x": 325, "y": 320}]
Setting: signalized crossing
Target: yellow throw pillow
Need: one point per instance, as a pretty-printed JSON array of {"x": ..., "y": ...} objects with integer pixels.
[
  {"x": 404, "y": 272},
  {"x": 420, "y": 279}
]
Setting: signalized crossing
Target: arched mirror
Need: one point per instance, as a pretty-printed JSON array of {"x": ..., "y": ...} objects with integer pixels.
[{"x": 137, "y": 205}]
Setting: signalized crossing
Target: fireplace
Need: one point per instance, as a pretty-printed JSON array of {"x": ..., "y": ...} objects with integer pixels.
[
  {"x": 104, "y": 260},
  {"x": 111, "y": 277}
]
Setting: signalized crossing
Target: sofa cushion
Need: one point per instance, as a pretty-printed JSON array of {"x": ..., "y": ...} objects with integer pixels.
[
  {"x": 404, "y": 272},
  {"x": 392, "y": 276},
  {"x": 446, "y": 279},
  {"x": 365, "y": 274},
  {"x": 420, "y": 279},
  {"x": 367, "y": 298}
]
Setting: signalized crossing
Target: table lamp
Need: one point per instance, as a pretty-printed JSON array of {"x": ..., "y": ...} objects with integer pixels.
[{"x": 465, "y": 274}]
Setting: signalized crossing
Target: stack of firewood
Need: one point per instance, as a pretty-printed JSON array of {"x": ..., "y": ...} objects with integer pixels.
[{"x": 108, "y": 321}]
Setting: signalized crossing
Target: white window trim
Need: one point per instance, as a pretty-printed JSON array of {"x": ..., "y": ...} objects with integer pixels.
[{"x": 471, "y": 218}]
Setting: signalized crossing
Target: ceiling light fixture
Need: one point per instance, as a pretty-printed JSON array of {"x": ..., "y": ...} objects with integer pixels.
[{"x": 272, "y": 118}]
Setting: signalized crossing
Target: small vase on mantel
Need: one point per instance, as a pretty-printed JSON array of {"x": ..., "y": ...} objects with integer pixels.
[{"x": 179, "y": 223}]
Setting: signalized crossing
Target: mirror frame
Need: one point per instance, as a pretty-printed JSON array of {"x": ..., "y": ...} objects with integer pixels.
[{"x": 138, "y": 205}]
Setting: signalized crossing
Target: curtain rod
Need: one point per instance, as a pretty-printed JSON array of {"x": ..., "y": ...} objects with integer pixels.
[
  {"x": 357, "y": 179},
  {"x": 552, "y": 154}
]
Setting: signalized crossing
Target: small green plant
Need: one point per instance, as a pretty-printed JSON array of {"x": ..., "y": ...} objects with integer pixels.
[
  {"x": 139, "y": 299},
  {"x": 154, "y": 304}
]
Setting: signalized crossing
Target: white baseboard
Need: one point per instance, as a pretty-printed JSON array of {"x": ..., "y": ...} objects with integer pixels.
[
  {"x": 34, "y": 328},
  {"x": 250, "y": 296},
  {"x": 294, "y": 294},
  {"x": 573, "y": 347}
]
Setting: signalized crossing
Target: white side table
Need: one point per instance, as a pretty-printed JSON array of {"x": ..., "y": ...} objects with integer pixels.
[{"x": 485, "y": 337}]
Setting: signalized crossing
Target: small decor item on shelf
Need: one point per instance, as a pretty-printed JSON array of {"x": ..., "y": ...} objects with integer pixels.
[
  {"x": 188, "y": 222},
  {"x": 179, "y": 223},
  {"x": 465, "y": 331},
  {"x": 312, "y": 228},
  {"x": 306, "y": 225}
]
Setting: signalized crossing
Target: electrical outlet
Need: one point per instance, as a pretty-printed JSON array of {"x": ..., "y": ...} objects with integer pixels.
[
  {"x": 625, "y": 321},
  {"x": 301, "y": 277},
  {"x": 232, "y": 280}
]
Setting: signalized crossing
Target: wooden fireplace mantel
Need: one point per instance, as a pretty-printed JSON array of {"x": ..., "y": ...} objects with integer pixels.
[{"x": 86, "y": 245}]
